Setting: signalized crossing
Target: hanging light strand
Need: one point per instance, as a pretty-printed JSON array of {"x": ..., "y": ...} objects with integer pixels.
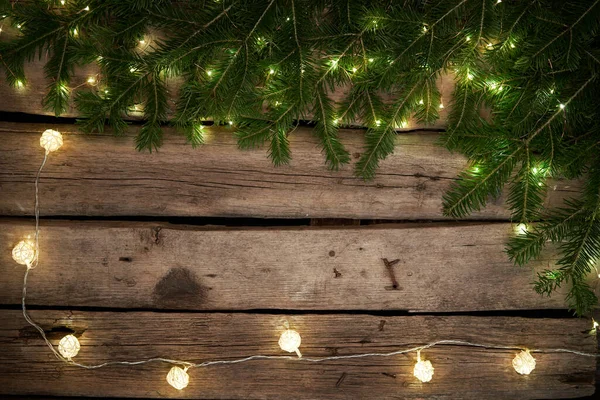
[{"x": 178, "y": 377}]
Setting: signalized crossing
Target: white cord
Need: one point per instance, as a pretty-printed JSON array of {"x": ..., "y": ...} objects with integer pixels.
[{"x": 188, "y": 364}]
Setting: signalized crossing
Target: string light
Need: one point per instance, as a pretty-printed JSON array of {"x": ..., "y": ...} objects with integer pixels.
[
  {"x": 51, "y": 140},
  {"x": 354, "y": 69},
  {"x": 378, "y": 122},
  {"x": 523, "y": 362},
  {"x": 371, "y": 60},
  {"x": 470, "y": 76},
  {"x": 441, "y": 105},
  {"x": 562, "y": 106},
  {"x": 271, "y": 71},
  {"x": 19, "y": 83},
  {"x": 24, "y": 253},
  {"x": 230, "y": 123},
  {"x": 178, "y": 378},
  {"x": 87, "y": 8},
  {"x": 423, "y": 369},
  {"x": 209, "y": 72},
  {"x": 421, "y": 101},
  {"x": 91, "y": 80},
  {"x": 74, "y": 31},
  {"x": 521, "y": 229},
  {"x": 68, "y": 346},
  {"x": 290, "y": 341},
  {"x": 468, "y": 38}
]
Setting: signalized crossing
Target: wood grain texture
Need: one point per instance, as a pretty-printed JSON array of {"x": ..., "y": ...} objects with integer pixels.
[
  {"x": 27, "y": 366},
  {"x": 441, "y": 268},
  {"x": 101, "y": 175},
  {"x": 28, "y": 99}
]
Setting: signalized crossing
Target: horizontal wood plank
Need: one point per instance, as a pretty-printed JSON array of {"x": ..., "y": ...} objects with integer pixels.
[
  {"x": 101, "y": 175},
  {"x": 27, "y": 366},
  {"x": 28, "y": 98},
  {"x": 441, "y": 268}
]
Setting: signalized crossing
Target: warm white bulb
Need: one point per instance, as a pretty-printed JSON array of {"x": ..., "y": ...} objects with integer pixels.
[
  {"x": 441, "y": 106},
  {"x": 91, "y": 80},
  {"x": 421, "y": 101},
  {"x": 423, "y": 369},
  {"x": 354, "y": 69},
  {"x": 371, "y": 59},
  {"x": 378, "y": 122},
  {"x": 68, "y": 346},
  {"x": 24, "y": 252},
  {"x": 178, "y": 378},
  {"x": 524, "y": 363},
  {"x": 521, "y": 229},
  {"x": 87, "y": 8},
  {"x": 290, "y": 341},
  {"x": 271, "y": 71},
  {"x": 562, "y": 106},
  {"x": 51, "y": 140},
  {"x": 470, "y": 77}
]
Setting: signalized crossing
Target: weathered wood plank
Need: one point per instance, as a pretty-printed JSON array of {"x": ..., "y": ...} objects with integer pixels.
[
  {"x": 102, "y": 175},
  {"x": 143, "y": 265},
  {"x": 28, "y": 99},
  {"x": 460, "y": 372}
]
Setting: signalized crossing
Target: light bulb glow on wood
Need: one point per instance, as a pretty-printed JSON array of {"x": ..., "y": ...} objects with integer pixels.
[
  {"x": 178, "y": 378},
  {"x": 521, "y": 229},
  {"x": 24, "y": 252},
  {"x": 68, "y": 346},
  {"x": 524, "y": 363},
  {"x": 423, "y": 369},
  {"x": 290, "y": 341},
  {"x": 51, "y": 140}
]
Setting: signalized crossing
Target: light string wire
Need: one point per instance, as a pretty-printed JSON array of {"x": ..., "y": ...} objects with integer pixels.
[{"x": 188, "y": 365}]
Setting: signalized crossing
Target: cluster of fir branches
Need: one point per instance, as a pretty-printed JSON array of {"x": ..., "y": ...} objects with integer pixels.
[{"x": 264, "y": 65}]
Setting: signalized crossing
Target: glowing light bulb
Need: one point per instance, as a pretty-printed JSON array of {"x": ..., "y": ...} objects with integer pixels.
[
  {"x": 19, "y": 26},
  {"x": 132, "y": 69},
  {"x": 378, "y": 122},
  {"x": 51, "y": 140},
  {"x": 24, "y": 252},
  {"x": 142, "y": 41},
  {"x": 68, "y": 346},
  {"x": 595, "y": 323},
  {"x": 421, "y": 101},
  {"x": 441, "y": 105},
  {"x": 87, "y": 8},
  {"x": 562, "y": 106},
  {"x": 371, "y": 59},
  {"x": 230, "y": 122},
  {"x": 489, "y": 46},
  {"x": 468, "y": 38},
  {"x": 404, "y": 124},
  {"x": 512, "y": 46},
  {"x": 62, "y": 2},
  {"x": 290, "y": 341},
  {"x": 209, "y": 72},
  {"x": 470, "y": 77},
  {"x": 424, "y": 28},
  {"x": 499, "y": 1},
  {"x": 287, "y": 19},
  {"x": 19, "y": 83},
  {"x": 423, "y": 369},
  {"x": 91, "y": 80},
  {"x": 178, "y": 378},
  {"x": 521, "y": 229},
  {"x": 523, "y": 363},
  {"x": 354, "y": 69},
  {"x": 271, "y": 71},
  {"x": 75, "y": 32},
  {"x": 475, "y": 169}
]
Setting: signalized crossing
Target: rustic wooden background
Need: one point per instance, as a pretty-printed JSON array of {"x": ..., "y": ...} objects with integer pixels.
[{"x": 205, "y": 253}]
